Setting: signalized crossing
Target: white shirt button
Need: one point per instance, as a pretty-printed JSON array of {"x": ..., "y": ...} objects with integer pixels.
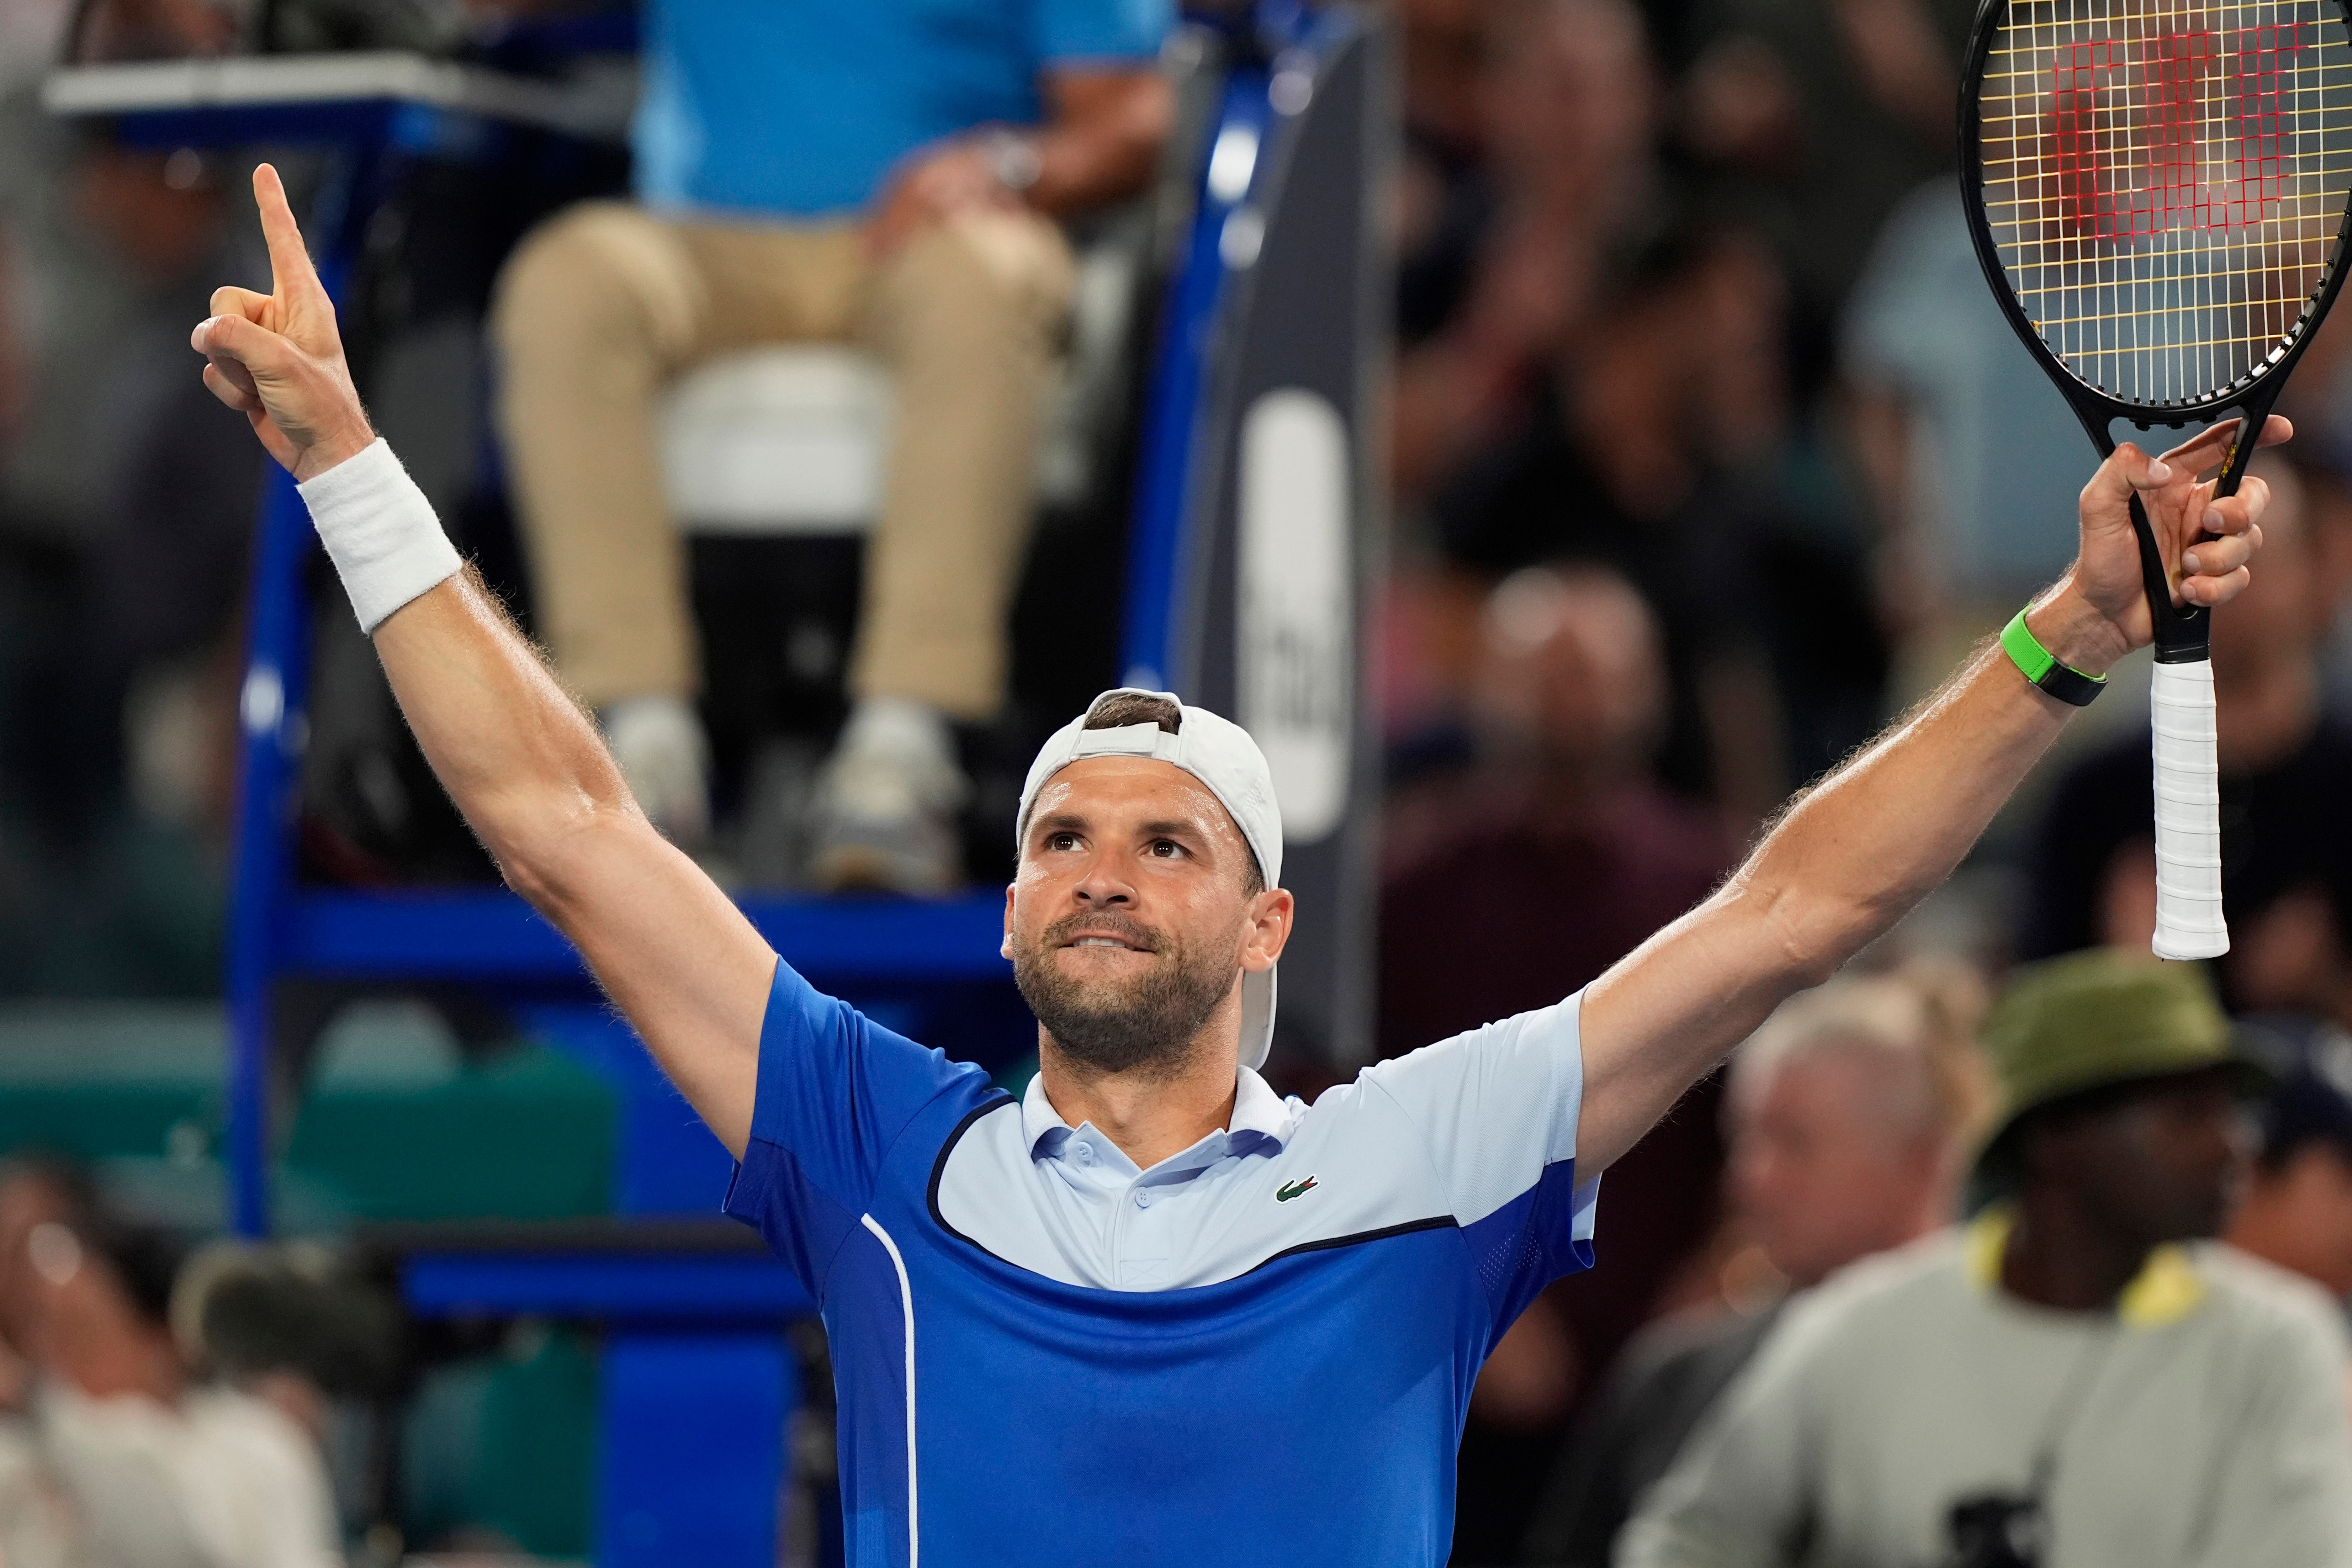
[
  {"x": 1143, "y": 1197},
  {"x": 1083, "y": 1152}
]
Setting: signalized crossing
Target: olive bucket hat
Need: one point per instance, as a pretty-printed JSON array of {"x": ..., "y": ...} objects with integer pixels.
[{"x": 2094, "y": 1019}]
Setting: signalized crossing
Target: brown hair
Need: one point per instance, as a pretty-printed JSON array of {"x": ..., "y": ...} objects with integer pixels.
[{"x": 1118, "y": 710}]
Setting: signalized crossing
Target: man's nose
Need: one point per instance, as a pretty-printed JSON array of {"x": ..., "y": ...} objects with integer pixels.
[{"x": 1098, "y": 887}]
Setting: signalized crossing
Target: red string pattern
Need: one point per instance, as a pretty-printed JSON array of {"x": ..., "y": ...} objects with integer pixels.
[{"x": 2146, "y": 100}]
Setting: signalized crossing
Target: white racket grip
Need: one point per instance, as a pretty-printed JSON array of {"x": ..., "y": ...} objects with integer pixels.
[{"x": 2189, "y": 921}]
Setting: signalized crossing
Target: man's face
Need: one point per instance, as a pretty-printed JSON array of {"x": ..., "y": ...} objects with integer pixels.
[
  {"x": 1130, "y": 922},
  {"x": 2165, "y": 1163},
  {"x": 1826, "y": 1166}
]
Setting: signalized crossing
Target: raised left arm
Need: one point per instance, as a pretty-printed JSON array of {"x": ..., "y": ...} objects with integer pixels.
[{"x": 1851, "y": 855}]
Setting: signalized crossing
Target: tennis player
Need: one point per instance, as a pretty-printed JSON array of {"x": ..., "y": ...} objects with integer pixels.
[{"x": 1150, "y": 1312}]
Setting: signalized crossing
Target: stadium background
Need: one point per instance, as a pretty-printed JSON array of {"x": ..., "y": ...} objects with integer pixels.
[{"x": 1699, "y": 450}]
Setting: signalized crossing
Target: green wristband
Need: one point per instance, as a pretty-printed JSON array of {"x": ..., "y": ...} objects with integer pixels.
[{"x": 2041, "y": 667}]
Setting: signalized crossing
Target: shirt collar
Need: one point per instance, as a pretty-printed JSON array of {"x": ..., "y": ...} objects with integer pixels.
[
  {"x": 2167, "y": 1288},
  {"x": 1257, "y": 1109}
]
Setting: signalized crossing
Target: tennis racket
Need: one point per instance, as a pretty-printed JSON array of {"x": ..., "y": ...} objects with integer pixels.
[{"x": 2158, "y": 191}]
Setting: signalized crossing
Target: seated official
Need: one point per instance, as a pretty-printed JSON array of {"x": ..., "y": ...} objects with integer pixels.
[
  {"x": 2078, "y": 1378},
  {"x": 886, "y": 173}
]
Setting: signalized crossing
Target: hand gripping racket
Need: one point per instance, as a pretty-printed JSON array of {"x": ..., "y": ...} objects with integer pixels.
[{"x": 2158, "y": 191}]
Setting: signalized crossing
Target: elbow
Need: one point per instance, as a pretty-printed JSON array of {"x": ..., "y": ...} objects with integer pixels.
[
  {"x": 1811, "y": 935},
  {"x": 534, "y": 879},
  {"x": 545, "y": 854}
]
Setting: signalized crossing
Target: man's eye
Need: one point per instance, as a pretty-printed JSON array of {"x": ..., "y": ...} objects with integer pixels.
[
  {"x": 1061, "y": 841},
  {"x": 1166, "y": 848}
]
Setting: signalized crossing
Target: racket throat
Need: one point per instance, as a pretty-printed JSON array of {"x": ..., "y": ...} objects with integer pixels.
[{"x": 2184, "y": 631}]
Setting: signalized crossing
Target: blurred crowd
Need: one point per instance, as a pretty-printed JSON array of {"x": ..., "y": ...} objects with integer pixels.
[{"x": 1710, "y": 452}]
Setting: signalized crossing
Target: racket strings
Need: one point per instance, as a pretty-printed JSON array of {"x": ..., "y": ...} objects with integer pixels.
[{"x": 2166, "y": 182}]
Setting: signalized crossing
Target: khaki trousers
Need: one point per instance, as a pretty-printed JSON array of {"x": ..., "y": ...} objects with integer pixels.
[{"x": 606, "y": 302}]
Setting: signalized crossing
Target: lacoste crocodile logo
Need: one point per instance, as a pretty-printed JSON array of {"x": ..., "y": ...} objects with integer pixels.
[{"x": 1289, "y": 1190}]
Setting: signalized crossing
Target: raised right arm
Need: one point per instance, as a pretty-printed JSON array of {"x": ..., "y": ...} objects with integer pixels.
[{"x": 522, "y": 761}]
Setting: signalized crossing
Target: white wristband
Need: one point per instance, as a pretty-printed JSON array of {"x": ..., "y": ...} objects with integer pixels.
[{"x": 380, "y": 531}]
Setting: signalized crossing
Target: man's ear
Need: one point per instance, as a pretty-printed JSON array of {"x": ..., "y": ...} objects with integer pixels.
[
  {"x": 1004, "y": 948},
  {"x": 1269, "y": 931}
]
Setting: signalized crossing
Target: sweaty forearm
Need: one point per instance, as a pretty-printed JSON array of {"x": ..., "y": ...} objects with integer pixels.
[
  {"x": 524, "y": 764},
  {"x": 1850, "y": 858},
  {"x": 1843, "y": 863}
]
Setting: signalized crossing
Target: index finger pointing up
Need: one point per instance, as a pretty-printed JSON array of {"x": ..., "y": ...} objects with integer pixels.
[{"x": 290, "y": 272}]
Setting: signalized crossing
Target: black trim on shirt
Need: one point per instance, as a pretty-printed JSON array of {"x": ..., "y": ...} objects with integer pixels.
[
  {"x": 1435, "y": 1222},
  {"x": 940, "y": 1168}
]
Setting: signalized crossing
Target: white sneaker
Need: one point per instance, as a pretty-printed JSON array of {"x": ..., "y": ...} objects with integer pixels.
[
  {"x": 885, "y": 812},
  {"x": 659, "y": 746}
]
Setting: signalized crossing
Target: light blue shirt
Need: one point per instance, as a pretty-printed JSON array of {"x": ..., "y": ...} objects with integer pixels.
[
  {"x": 799, "y": 107},
  {"x": 1101, "y": 1220}
]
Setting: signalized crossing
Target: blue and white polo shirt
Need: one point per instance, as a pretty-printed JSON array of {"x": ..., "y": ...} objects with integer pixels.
[{"x": 1259, "y": 1351}]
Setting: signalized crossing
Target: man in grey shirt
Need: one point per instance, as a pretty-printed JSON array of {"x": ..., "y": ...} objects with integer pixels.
[{"x": 2075, "y": 1380}]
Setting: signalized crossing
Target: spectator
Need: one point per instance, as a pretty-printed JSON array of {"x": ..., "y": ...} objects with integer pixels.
[
  {"x": 1815, "y": 117},
  {"x": 2298, "y": 1211},
  {"x": 1567, "y": 699},
  {"x": 1666, "y": 441},
  {"x": 810, "y": 172},
  {"x": 1968, "y": 451},
  {"x": 1529, "y": 160},
  {"x": 2286, "y": 847},
  {"x": 1547, "y": 861},
  {"x": 157, "y": 1470},
  {"x": 125, "y": 517},
  {"x": 1848, "y": 1117},
  {"x": 2072, "y": 1378}
]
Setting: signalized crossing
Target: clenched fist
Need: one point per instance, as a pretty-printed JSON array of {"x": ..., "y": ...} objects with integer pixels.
[{"x": 277, "y": 358}]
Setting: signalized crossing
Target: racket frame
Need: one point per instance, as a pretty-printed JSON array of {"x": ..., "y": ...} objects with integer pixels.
[{"x": 2183, "y": 630}]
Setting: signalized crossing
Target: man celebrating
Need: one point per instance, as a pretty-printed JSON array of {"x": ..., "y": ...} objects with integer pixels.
[{"x": 1151, "y": 1313}]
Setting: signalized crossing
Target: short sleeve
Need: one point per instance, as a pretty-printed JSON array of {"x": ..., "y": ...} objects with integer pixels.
[
  {"x": 835, "y": 1090},
  {"x": 1497, "y": 1111},
  {"x": 1077, "y": 30}
]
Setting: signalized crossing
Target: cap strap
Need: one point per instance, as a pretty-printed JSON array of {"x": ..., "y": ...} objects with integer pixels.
[{"x": 1127, "y": 740}]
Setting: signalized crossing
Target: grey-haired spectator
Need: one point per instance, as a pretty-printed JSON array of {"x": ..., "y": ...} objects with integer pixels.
[{"x": 1849, "y": 1119}]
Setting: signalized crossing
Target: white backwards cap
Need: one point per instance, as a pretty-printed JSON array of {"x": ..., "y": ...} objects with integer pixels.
[{"x": 1221, "y": 754}]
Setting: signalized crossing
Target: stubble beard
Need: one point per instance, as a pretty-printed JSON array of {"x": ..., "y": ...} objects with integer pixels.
[{"x": 1147, "y": 1023}]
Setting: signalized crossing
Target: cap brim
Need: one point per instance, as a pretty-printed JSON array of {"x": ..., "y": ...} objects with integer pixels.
[{"x": 1257, "y": 1017}]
